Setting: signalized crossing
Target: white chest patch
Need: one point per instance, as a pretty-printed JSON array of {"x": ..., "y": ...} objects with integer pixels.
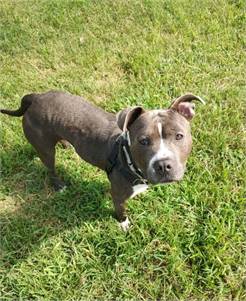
[{"x": 138, "y": 189}]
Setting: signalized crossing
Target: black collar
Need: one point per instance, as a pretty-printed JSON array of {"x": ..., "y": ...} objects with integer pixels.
[{"x": 121, "y": 158}]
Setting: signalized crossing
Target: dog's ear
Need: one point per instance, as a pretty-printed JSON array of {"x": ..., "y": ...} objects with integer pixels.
[
  {"x": 184, "y": 106},
  {"x": 126, "y": 117}
]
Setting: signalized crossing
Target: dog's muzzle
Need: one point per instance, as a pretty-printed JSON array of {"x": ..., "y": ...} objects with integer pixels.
[{"x": 165, "y": 171}]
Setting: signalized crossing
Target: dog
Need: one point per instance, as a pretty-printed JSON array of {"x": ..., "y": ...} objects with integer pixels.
[{"x": 136, "y": 147}]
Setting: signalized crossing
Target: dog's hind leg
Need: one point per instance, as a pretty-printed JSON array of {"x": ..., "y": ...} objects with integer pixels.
[{"x": 44, "y": 142}]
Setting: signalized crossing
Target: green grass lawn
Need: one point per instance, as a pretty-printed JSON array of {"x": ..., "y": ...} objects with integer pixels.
[{"x": 187, "y": 240}]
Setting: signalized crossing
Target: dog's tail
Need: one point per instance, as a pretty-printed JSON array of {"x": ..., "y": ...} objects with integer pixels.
[{"x": 25, "y": 104}]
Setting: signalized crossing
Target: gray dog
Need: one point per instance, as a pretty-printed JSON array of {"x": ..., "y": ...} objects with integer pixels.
[{"x": 136, "y": 147}]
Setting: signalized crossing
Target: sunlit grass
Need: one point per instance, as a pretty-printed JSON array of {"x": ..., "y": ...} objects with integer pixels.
[{"x": 187, "y": 240}]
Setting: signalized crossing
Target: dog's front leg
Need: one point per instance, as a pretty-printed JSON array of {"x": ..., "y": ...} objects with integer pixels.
[
  {"x": 121, "y": 191},
  {"x": 120, "y": 212}
]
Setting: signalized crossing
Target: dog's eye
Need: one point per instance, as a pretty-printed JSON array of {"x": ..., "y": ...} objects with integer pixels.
[
  {"x": 179, "y": 136},
  {"x": 144, "y": 141}
]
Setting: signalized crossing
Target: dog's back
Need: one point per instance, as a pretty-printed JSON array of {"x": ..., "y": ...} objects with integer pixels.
[{"x": 53, "y": 116}]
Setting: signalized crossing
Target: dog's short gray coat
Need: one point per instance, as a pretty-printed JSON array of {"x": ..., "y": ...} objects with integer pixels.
[{"x": 159, "y": 141}]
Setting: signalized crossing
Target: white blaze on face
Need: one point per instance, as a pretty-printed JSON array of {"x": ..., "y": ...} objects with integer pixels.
[{"x": 162, "y": 153}]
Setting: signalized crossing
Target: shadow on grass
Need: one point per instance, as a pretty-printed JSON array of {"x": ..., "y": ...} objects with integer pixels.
[{"x": 40, "y": 212}]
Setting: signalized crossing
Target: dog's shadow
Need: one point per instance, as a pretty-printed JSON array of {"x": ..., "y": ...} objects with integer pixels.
[{"x": 38, "y": 211}]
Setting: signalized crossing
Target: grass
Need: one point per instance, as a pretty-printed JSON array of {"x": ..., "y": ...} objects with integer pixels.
[{"x": 187, "y": 241}]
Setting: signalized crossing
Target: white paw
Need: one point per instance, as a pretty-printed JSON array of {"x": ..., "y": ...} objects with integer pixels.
[
  {"x": 125, "y": 225},
  {"x": 62, "y": 189}
]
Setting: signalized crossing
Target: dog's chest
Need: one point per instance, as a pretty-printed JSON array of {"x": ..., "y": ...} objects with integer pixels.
[{"x": 138, "y": 189}]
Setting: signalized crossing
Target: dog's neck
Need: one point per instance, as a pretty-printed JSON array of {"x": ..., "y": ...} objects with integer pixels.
[{"x": 121, "y": 159}]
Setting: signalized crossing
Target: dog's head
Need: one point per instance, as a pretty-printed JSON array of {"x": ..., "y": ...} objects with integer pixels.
[{"x": 160, "y": 140}]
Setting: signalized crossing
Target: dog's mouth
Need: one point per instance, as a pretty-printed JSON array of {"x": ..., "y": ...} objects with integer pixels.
[
  {"x": 166, "y": 179},
  {"x": 163, "y": 181}
]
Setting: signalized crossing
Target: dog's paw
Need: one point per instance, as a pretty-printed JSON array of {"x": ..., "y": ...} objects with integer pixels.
[
  {"x": 125, "y": 225},
  {"x": 57, "y": 184},
  {"x": 62, "y": 189}
]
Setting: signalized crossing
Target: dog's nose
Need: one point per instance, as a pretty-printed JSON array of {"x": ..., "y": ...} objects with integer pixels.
[{"x": 163, "y": 166}]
